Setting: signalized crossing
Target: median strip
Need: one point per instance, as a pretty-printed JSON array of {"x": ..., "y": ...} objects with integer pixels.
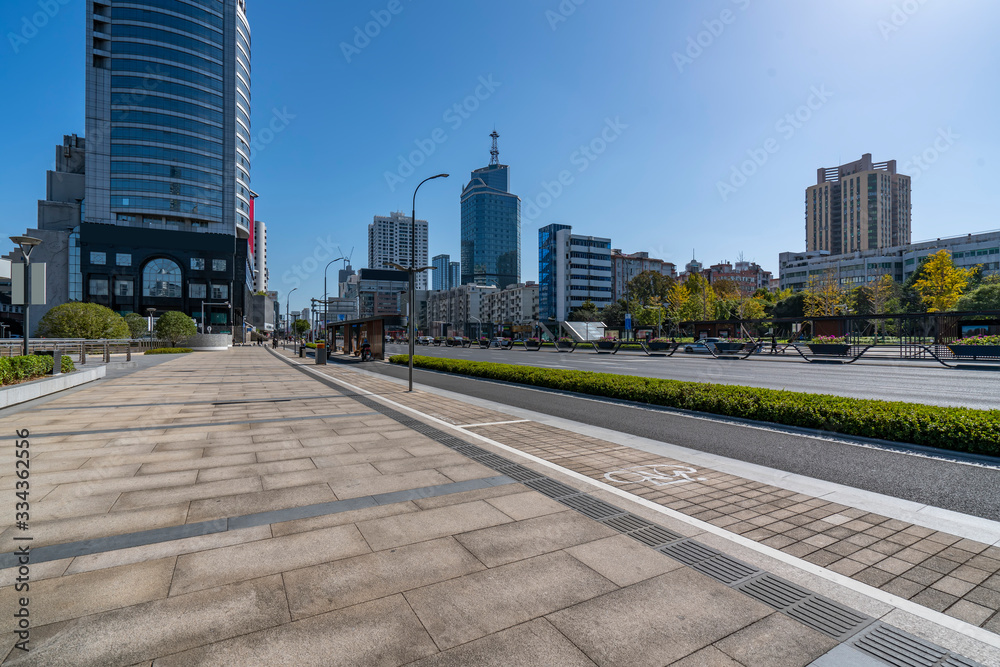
[{"x": 956, "y": 429}]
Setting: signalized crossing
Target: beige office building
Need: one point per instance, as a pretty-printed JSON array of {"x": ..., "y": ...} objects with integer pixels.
[{"x": 858, "y": 206}]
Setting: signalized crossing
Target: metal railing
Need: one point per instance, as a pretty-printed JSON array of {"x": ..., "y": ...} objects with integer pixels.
[{"x": 79, "y": 347}]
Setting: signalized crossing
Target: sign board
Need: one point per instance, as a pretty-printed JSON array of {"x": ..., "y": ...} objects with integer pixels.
[
  {"x": 628, "y": 321},
  {"x": 17, "y": 294}
]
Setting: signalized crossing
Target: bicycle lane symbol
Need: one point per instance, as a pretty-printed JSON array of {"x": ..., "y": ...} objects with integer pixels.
[{"x": 663, "y": 474}]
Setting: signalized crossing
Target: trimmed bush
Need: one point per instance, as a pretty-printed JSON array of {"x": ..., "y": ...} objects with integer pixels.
[
  {"x": 958, "y": 429},
  {"x": 82, "y": 320},
  {"x": 20, "y": 369},
  {"x": 174, "y": 326},
  {"x": 169, "y": 350}
]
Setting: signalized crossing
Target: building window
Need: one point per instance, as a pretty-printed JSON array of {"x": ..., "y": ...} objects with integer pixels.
[
  {"x": 123, "y": 259},
  {"x": 220, "y": 291},
  {"x": 75, "y": 277},
  {"x": 197, "y": 290},
  {"x": 98, "y": 287},
  {"x": 123, "y": 288},
  {"x": 161, "y": 278},
  {"x": 98, "y": 258},
  {"x": 197, "y": 264},
  {"x": 218, "y": 265}
]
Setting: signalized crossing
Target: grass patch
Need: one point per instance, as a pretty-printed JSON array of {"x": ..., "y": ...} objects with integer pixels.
[
  {"x": 957, "y": 429},
  {"x": 23, "y": 368},
  {"x": 169, "y": 350}
]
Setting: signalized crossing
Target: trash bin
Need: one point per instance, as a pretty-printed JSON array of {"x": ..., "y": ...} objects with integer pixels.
[
  {"x": 321, "y": 353},
  {"x": 302, "y": 351},
  {"x": 56, "y": 359}
]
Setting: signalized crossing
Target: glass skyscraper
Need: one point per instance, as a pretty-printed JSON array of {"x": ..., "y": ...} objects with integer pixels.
[
  {"x": 491, "y": 227},
  {"x": 168, "y": 221}
]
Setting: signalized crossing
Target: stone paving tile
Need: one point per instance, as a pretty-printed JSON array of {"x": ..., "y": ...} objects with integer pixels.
[
  {"x": 61, "y": 531},
  {"x": 397, "y": 531},
  {"x": 460, "y": 610},
  {"x": 658, "y": 620},
  {"x": 138, "y": 633},
  {"x": 776, "y": 641}
]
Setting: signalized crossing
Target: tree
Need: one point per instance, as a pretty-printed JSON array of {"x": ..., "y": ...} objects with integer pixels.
[
  {"x": 137, "y": 324},
  {"x": 300, "y": 327},
  {"x": 984, "y": 297},
  {"x": 82, "y": 320},
  {"x": 825, "y": 296},
  {"x": 587, "y": 312},
  {"x": 174, "y": 326},
  {"x": 676, "y": 297},
  {"x": 941, "y": 284},
  {"x": 647, "y": 285},
  {"x": 792, "y": 305},
  {"x": 878, "y": 297},
  {"x": 700, "y": 304}
]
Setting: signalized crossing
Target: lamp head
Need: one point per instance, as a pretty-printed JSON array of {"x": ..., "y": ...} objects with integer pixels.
[{"x": 26, "y": 243}]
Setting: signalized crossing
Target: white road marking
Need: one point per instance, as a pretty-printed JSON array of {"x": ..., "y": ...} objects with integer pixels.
[
  {"x": 512, "y": 421},
  {"x": 661, "y": 474}
]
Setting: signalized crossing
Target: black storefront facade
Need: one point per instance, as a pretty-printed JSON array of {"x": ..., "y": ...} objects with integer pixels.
[{"x": 132, "y": 270}]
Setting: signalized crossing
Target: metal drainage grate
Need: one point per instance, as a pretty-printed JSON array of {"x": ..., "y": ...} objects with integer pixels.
[
  {"x": 773, "y": 591},
  {"x": 831, "y": 618},
  {"x": 689, "y": 552},
  {"x": 519, "y": 472},
  {"x": 591, "y": 507},
  {"x": 627, "y": 523},
  {"x": 725, "y": 569},
  {"x": 471, "y": 451},
  {"x": 492, "y": 460},
  {"x": 655, "y": 536},
  {"x": 901, "y": 649},
  {"x": 551, "y": 488}
]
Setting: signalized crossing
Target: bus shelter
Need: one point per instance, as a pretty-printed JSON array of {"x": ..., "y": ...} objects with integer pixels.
[{"x": 348, "y": 336}]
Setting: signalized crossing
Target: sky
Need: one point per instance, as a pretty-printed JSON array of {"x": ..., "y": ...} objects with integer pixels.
[{"x": 674, "y": 128}]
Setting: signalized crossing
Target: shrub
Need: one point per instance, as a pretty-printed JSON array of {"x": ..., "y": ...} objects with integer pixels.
[
  {"x": 82, "y": 320},
  {"x": 978, "y": 340},
  {"x": 169, "y": 350},
  {"x": 958, "y": 429},
  {"x": 137, "y": 325},
  {"x": 823, "y": 340},
  {"x": 19, "y": 369},
  {"x": 564, "y": 339},
  {"x": 174, "y": 326}
]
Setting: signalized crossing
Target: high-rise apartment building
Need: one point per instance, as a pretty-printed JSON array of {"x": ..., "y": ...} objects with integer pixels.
[
  {"x": 861, "y": 205},
  {"x": 166, "y": 219},
  {"x": 447, "y": 274},
  {"x": 389, "y": 241},
  {"x": 260, "y": 256},
  {"x": 491, "y": 226},
  {"x": 454, "y": 274},
  {"x": 572, "y": 269}
]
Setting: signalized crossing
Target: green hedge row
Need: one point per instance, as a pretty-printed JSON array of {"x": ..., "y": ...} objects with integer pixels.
[
  {"x": 169, "y": 350},
  {"x": 957, "y": 429},
  {"x": 19, "y": 369}
]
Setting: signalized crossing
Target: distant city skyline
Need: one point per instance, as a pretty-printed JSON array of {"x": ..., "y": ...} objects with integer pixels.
[{"x": 680, "y": 126}]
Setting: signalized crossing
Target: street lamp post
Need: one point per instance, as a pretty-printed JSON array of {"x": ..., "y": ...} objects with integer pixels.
[
  {"x": 326, "y": 302},
  {"x": 413, "y": 271},
  {"x": 288, "y": 321},
  {"x": 27, "y": 244},
  {"x": 149, "y": 326}
]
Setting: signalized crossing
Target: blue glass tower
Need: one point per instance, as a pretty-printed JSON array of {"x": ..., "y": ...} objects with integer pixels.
[
  {"x": 168, "y": 156},
  {"x": 491, "y": 226}
]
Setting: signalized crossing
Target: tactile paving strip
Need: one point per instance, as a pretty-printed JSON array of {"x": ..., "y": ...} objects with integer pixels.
[{"x": 888, "y": 644}]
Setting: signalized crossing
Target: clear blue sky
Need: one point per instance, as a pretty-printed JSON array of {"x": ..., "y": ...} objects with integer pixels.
[{"x": 891, "y": 85}]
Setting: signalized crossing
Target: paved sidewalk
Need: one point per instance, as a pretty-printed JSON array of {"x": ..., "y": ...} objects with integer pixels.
[{"x": 228, "y": 508}]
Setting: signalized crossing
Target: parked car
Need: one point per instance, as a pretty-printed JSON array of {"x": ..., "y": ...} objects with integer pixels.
[
  {"x": 425, "y": 340},
  {"x": 700, "y": 346}
]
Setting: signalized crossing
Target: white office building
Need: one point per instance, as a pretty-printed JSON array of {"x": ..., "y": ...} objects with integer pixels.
[{"x": 389, "y": 239}]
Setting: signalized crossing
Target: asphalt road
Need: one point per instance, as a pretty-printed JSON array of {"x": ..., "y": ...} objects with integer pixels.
[
  {"x": 886, "y": 379},
  {"x": 941, "y": 481}
]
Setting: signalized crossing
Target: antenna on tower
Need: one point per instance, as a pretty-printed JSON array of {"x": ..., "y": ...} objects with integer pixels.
[{"x": 494, "y": 151}]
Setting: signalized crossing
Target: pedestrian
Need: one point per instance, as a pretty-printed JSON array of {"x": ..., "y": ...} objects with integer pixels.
[
  {"x": 366, "y": 350},
  {"x": 774, "y": 344}
]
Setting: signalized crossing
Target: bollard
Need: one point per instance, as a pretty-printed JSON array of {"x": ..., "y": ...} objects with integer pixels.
[
  {"x": 128, "y": 355},
  {"x": 56, "y": 361},
  {"x": 107, "y": 353},
  {"x": 321, "y": 353},
  {"x": 302, "y": 351}
]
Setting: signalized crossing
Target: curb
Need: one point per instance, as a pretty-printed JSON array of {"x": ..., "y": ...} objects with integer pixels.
[{"x": 29, "y": 391}]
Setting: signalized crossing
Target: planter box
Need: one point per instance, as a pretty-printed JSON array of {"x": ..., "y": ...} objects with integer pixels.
[
  {"x": 976, "y": 351},
  {"x": 531, "y": 345},
  {"x": 839, "y": 349},
  {"x": 658, "y": 347},
  {"x": 605, "y": 344}
]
